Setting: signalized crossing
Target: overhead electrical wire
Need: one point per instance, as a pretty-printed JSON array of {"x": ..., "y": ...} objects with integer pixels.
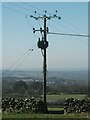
[
  {"x": 83, "y": 40},
  {"x": 55, "y": 26},
  {"x": 14, "y": 10},
  {"x": 17, "y": 60},
  {"x": 37, "y": 8},
  {"x": 78, "y": 35},
  {"x": 20, "y": 59},
  {"x": 21, "y": 62},
  {"x": 73, "y": 32},
  {"x": 29, "y": 5},
  {"x": 73, "y": 26},
  {"x": 41, "y": 11},
  {"x": 76, "y": 28},
  {"x": 27, "y": 9},
  {"x": 64, "y": 27},
  {"x": 70, "y": 24},
  {"x": 26, "y": 4},
  {"x": 21, "y": 7},
  {"x": 26, "y": 15},
  {"x": 50, "y": 14},
  {"x": 30, "y": 25},
  {"x": 34, "y": 7},
  {"x": 28, "y": 21},
  {"x": 68, "y": 33}
]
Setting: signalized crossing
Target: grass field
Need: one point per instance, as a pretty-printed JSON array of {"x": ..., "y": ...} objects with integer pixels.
[
  {"x": 33, "y": 115},
  {"x": 64, "y": 96},
  {"x": 55, "y": 109},
  {"x": 0, "y": 115}
]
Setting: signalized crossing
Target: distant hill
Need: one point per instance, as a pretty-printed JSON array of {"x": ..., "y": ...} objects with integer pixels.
[{"x": 54, "y": 75}]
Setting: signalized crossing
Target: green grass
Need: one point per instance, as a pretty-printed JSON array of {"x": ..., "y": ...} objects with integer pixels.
[
  {"x": 0, "y": 115},
  {"x": 55, "y": 109},
  {"x": 64, "y": 96},
  {"x": 33, "y": 115}
]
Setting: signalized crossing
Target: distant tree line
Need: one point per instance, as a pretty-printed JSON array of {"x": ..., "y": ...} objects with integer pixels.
[{"x": 12, "y": 87}]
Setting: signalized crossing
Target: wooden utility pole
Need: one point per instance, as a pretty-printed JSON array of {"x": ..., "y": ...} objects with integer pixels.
[
  {"x": 43, "y": 44},
  {"x": 45, "y": 67}
]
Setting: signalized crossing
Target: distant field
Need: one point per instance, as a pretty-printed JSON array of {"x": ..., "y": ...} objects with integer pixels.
[{"x": 64, "y": 96}]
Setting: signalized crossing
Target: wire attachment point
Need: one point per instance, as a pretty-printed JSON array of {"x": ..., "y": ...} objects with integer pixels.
[{"x": 33, "y": 30}]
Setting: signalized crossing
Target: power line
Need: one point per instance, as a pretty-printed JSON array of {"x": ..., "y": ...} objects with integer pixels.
[
  {"x": 57, "y": 27},
  {"x": 78, "y": 35},
  {"x": 73, "y": 26},
  {"x": 27, "y": 9},
  {"x": 50, "y": 14},
  {"x": 23, "y": 7},
  {"x": 19, "y": 12},
  {"x": 64, "y": 27},
  {"x": 30, "y": 25},
  {"x": 55, "y": 22},
  {"x": 20, "y": 59},
  {"x": 26, "y": 15},
  {"x": 28, "y": 22},
  {"x": 29, "y": 5},
  {"x": 31, "y": 50},
  {"x": 48, "y": 33}
]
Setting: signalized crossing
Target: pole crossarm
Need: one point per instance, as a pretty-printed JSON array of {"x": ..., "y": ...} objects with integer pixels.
[
  {"x": 45, "y": 16},
  {"x": 48, "y": 17}
]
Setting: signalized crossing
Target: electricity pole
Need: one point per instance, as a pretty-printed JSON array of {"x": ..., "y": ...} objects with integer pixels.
[
  {"x": 43, "y": 44},
  {"x": 45, "y": 68}
]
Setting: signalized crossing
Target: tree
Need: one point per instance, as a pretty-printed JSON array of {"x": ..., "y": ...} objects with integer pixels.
[
  {"x": 20, "y": 86},
  {"x": 37, "y": 87}
]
